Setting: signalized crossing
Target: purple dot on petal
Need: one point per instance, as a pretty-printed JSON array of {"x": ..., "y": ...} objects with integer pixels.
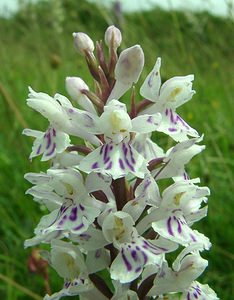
[
  {"x": 150, "y": 119},
  {"x": 138, "y": 270},
  {"x": 95, "y": 165},
  {"x": 81, "y": 207},
  {"x": 98, "y": 253},
  {"x": 172, "y": 129}
]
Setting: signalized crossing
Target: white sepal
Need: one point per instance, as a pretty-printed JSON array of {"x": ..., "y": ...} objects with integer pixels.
[{"x": 150, "y": 87}]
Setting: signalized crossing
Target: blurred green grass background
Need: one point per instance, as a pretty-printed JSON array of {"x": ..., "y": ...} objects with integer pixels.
[{"x": 36, "y": 49}]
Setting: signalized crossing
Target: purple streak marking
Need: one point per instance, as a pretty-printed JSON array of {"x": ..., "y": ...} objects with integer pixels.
[
  {"x": 127, "y": 263},
  {"x": 101, "y": 150},
  {"x": 145, "y": 257},
  {"x": 157, "y": 248},
  {"x": 52, "y": 150},
  {"x": 121, "y": 164},
  {"x": 125, "y": 149},
  {"x": 48, "y": 137},
  {"x": 134, "y": 255},
  {"x": 38, "y": 149},
  {"x": 53, "y": 132},
  {"x": 107, "y": 159},
  {"x": 131, "y": 154},
  {"x": 73, "y": 215},
  {"x": 193, "y": 238},
  {"x": 179, "y": 228},
  {"x": 169, "y": 228},
  {"x": 81, "y": 207},
  {"x": 106, "y": 152},
  {"x": 138, "y": 269},
  {"x": 147, "y": 183},
  {"x": 171, "y": 116},
  {"x": 79, "y": 227},
  {"x": 109, "y": 166}
]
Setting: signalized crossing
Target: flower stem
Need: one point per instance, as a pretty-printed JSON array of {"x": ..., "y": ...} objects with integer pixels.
[
  {"x": 101, "y": 285},
  {"x": 145, "y": 286},
  {"x": 119, "y": 190}
]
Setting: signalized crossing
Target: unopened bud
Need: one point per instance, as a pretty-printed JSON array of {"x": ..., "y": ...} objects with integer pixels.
[
  {"x": 83, "y": 43},
  {"x": 75, "y": 87},
  {"x": 113, "y": 37},
  {"x": 129, "y": 65}
]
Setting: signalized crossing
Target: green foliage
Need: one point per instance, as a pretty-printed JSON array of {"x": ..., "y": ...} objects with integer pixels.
[{"x": 37, "y": 50}]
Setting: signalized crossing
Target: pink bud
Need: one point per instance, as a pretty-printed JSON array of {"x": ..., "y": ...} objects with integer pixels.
[
  {"x": 129, "y": 65},
  {"x": 113, "y": 35},
  {"x": 83, "y": 43}
]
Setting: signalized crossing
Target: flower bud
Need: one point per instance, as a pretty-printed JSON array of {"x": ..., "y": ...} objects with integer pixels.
[
  {"x": 83, "y": 43},
  {"x": 129, "y": 65},
  {"x": 113, "y": 37},
  {"x": 74, "y": 87}
]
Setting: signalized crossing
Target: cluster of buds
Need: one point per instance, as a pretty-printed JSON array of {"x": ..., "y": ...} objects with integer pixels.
[{"x": 106, "y": 209}]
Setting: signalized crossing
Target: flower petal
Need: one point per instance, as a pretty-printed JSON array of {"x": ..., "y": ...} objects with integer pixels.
[
  {"x": 177, "y": 157},
  {"x": 174, "y": 126},
  {"x": 150, "y": 87},
  {"x": 133, "y": 256},
  {"x": 49, "y": 143},
  {"x": 169, "y": 281},
  {"x": 199, "y": 291},
  {"x": 115, "y": 160},
  {"x": 71, "y": 288},
  {"x": 176, "y": 91},
  {"x": 146, "y": 123},
  {"x": 146, "y": 147},
  {"x": 175, "y": 228}
]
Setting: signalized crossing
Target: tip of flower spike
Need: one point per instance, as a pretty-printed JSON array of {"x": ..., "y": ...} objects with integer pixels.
[{"x": 113, "y": 37}]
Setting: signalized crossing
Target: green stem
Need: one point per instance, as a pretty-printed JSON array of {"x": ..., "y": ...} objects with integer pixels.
[{"x": 20, "y": 287}]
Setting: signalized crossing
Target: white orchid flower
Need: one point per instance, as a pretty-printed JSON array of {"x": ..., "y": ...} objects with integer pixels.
[
  {"x": 116, "y": 156},
  {"x": 75, "y": 212},
  {"x": 49, "y": 143},
  {"x": 166, "y": 98},
  {"x": 135, "y": 252},
  {"x": 186, "y": 268},
  {"x": 199, "y": 291}
]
